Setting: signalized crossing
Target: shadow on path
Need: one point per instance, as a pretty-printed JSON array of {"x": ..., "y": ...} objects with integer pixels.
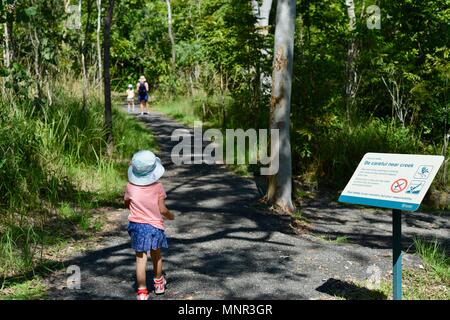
[{"x": 220, "y": 247}]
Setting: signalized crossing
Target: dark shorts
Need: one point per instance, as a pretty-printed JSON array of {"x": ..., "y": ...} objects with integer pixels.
[
  {"x": 143, "y": 97},
  {"x": 145, "y": 237}
]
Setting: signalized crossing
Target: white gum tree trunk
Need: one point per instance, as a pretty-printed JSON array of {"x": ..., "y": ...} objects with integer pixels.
[
  {"x": 172, "y": 39},
  {"x": 352, "y": 54},
  {"x": 280, "y": 183},
  {"x": 262, "y": 14}
]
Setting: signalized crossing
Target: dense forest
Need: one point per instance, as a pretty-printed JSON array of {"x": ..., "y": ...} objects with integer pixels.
[
  {"x": 367, "y": 75},
  {"x": 358, "y": 82}
]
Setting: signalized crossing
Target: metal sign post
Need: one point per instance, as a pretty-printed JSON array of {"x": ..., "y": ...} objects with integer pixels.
[
  {"x": 394, "y": 181},
  {"x": 397, "y": 254}
]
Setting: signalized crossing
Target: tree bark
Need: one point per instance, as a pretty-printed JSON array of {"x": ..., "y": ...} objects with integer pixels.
[
  {"x": 66, "y": 5},
  {"x": 280, "y": 183},
  {"x": 262, "y": 14},
  {"x": 8, "y": 41},
  {"x": 99, "y": 52},
  {"x": 107, "y": 78},
  {"x": 82, "y": 55},
  {"x": 6, "y": 57},
  {"x": 172, "y": 39},
  {"x": 351, "y": 14},
  {"x": 37, "y": 49},
  {"x": 10, "y": 34},
  {"x": 6, "y": 52},
  {"x": 352, "y": 54}
]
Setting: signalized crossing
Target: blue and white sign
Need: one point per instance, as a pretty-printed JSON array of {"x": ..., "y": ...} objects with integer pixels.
[{"x": 395, "y": 181}]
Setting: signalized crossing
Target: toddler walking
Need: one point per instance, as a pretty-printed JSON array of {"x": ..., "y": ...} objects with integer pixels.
[
  {"x": 130, "y": 98},
  {"x": 145, "y": 197}
]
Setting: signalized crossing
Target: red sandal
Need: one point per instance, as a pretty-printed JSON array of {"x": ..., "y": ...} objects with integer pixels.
[
  {"x": 142, "y": 294},
  {"x": 160, "y": 285}
]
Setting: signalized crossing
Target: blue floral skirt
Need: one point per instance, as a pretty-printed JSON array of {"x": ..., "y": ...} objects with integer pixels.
[{"x": 145, "y": 237}]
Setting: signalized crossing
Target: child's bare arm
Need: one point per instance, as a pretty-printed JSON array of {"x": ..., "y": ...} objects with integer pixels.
[
  {"x": 127, "y": 204},
  {"x": 164, "y": 211}
]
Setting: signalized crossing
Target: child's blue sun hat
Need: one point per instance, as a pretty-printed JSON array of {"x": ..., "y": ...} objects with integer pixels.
[{"x": 145, "y": 168}]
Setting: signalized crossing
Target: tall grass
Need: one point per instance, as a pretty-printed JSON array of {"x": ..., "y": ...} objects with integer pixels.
[
  {"x": 338, "y": 152},
  {"x": 435, "y": 259},
  {"x": 327, "y": 158},
  {"x": 54, "y": 154}
]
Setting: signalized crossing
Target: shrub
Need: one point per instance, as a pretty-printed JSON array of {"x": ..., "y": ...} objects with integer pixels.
[{"x": 339, "y": 153}]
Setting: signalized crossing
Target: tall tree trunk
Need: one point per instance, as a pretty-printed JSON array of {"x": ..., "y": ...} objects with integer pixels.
[
  {"x": 83, "y": 60},
  {"x": 6, "y": 52},
  {"x": 99, "y": 52},
  {"x": 106, "y": 76},
  {"x": 66, "y": 5},
  {"x": 34, "y": 38},
  {"x": 446, "y": 135},
  {"x": 262, "y": 14},
  {"x": 10, "y": 34},
  {"x": 351, "y": 14},
  {"x": 83, "y": 50},
  {"x": 352, "y": 55},
  {"x": 6, "y": 57},
  {"x": 172, "y": 39},
  {"x": 280, "y": 183},
  {"x": 8, "y": 49}
]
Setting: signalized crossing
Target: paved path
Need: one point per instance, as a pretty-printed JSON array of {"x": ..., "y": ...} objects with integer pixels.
[{"x": 221, "y": 247}]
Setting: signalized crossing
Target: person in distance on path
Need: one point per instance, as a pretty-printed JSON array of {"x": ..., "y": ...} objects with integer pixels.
[
  {"x": 130, "y": 98},
  {"x": 143, "y": 90}
]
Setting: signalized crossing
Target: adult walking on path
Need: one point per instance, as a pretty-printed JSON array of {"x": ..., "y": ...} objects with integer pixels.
[{"x": 143, "y": 93}]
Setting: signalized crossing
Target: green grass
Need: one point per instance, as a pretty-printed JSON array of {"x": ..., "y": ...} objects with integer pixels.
[
  {"x": 182, "y": 109},
  {"x": 54, "y": 170},
  {"x": 419, "y": 285},
  {"x": 187, "y": 110},
  {"x": 34, "y": 289},
  {"x": 298, "y": 214},
  {"x": 211, "y": 110},
  {"x": 337, "y": 240},
  {"x": 340, "y": 240},
  {"x": 430, "y": 283},
  {"x": 340, "y": 150},
  {"x": 436, "y": 261}
]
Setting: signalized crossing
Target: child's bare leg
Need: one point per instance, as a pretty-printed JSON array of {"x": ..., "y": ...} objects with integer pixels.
[
  {"x": 141, "y": 267},
  {"x": 157, "y": 262}
]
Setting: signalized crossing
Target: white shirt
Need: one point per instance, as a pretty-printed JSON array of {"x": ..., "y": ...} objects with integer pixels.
[{"x": 130, "y": 93}]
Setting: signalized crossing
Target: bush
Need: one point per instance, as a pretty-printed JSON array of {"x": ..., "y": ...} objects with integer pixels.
[
  {"x": 53, "y": 154},
  {"x": 339, "y": 153}
]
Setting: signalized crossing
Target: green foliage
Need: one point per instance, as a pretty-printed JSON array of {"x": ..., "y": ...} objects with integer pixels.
[
  {"x": 435, "y": 258},
  {"x": 130, "y": 136},
  {"x": 54, "y": 169},
  {"x": 34, "y": 289},
  {"x": 338, "y": 153}
]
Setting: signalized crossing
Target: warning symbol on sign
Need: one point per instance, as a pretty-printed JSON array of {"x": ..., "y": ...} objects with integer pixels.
[
  {"x": 399, "y": 185},
  {"x": 423, "y": 172},
  {"x": 415, "y": 187}
]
